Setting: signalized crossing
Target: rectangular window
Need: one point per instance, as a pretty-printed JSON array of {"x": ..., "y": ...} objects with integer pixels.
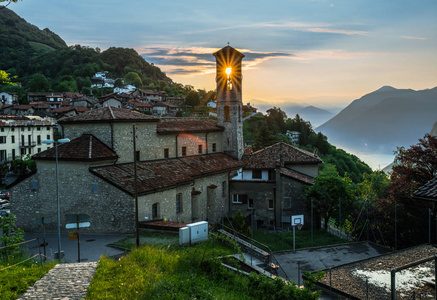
[
  {"x": 12, "y": 129},
  {"x": 48, "y": 136},
  {"x": 224, "y": 188},
  {"x": 239, "y": 198},
  {"x": 166, "y": 153},
  {"x": 271, "y": 205},
  {"x": 13, "y": 153},
  {"x": 250, "y": 203},
  {"x": 137, "y": 156},
  {"x": 2, "y": 129},
  {"x": 155, "y": 210},
  {"x": 2, "y": 155},
  {"x": 29, "y": 139},
  {"x": 178, "y": 203},
  {"x": 214, "y": 147},
  {"x": 38, "y": 140},
  {"x": 200, "y": 149},
  {"x": 39, "y": 150},
  {"x": 257, "y": 174},
  {"x": 38, "y": 128},
  {"x": 94, "y": 187},
  {"x": 184, "y": 151},
  {"x": 48, "y": 128},
  {"x": 28, "y": 128},
  {"x": 12, "y": 139},
  {"x": 2, "y": 140}
]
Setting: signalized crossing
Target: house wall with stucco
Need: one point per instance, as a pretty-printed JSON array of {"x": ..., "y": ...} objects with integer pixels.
[{"x": 80, "y": 192}]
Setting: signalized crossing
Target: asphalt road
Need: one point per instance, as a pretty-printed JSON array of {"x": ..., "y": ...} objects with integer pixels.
[{"x": 91, "y": 246}]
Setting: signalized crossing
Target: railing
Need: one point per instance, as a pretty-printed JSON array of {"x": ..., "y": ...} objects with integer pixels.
[{"x": 24, "y": 145}]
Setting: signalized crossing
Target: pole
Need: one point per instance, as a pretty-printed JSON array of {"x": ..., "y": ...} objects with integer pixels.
[
  {"x": 396, "y": 226},
  {"x": 251, "y": 242},
  {"x": 78, "y": 240},
  {"x": 282, "y": 223},
  {"x": 44, "y": 238},
  {"x": 339, "y": 213},
  {"x": 136, "y": 188},
  {"x": 429, "y": 225},
  {"x": 312, "y": 229},
  {"x": 298, "y": 273},
  {"x": 294, "y": 240},
  {"x": 57, "y": 202},
  {"x": 393, "y": 284}
]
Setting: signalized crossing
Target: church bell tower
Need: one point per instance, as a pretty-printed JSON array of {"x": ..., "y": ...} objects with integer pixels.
[{"x": 229, "y": 100}]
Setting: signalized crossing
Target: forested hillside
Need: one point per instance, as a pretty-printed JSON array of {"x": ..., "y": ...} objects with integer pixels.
[
  {"x": 265, "y": 130},
  {"x": 42, "y": 62}
]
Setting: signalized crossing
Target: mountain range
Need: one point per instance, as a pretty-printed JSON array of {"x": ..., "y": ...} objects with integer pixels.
[{"x": 383, "y": 120}]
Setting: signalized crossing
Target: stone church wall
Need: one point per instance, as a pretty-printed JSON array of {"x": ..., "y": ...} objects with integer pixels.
[{"x": 111, "y": 210}]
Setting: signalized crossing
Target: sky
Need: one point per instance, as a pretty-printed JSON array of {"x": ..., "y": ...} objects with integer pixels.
[{"x": 308, "y": 52}]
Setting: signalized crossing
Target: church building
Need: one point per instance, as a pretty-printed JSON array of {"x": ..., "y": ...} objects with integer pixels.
[{"x": 179, "y": 169}]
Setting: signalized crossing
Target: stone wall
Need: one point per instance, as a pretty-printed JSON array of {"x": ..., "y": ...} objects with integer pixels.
[
  {"x": 194, "y": 205},
  {"x": 80, "y": 192},
  {"x": 310, "y": 170}
]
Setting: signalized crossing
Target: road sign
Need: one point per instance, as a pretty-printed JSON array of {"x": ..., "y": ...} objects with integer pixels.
[
  {"x": 72, "y": 233},
  {"x": 74, "y": 225},
  {"x": 43, "y": 220},
  {"x": 77, "y": 217},
  {"x": 72, "y": 237}
]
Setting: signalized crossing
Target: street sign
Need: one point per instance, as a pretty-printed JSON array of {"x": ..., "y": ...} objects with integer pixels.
[
  {"x": 43, "y": 220},
  {"x": 77, "y": 217},
  {"x": 72, "y": 237},
  {"x": 72, "y": 233},
  {"x": 74, "y": 225}
]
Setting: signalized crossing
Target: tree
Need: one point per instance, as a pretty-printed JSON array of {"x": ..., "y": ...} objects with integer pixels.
[
  {"x": 23, "y": 165},
  {"x": 134, "y": 79},
  {"x": 11, "y": 235},
  {"x": 264, "y": 138},
  {"x": 415, "y": 167},
  {"x": 192, "y": 99},
  {"x": 9, "y": 2},
  {"x": 276, "y": 118},
  {"x": 6, "y": 78},
  {"x": 118, "y": 82},
  {"x": 38, "y": 83},
  {"x": 328, "y": 188}
]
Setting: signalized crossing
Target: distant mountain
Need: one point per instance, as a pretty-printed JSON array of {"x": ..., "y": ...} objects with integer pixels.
[
  {"x": 313, "y": 114},
  {"x": 384, "y": 119}
]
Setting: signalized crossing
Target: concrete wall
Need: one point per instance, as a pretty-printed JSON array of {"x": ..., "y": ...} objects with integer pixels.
[
  {"x": 310, "y": 170},
  {"x": 111, "y": 210}
]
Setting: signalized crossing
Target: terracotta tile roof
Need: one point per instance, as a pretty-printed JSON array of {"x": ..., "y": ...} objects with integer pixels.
[
  {"x": 84, "y": 148},
  {"x": 109, "y": 114},
  {"x": 81, "y": 108},
  {"x": 62, "y": 110},
  {"x": 178, "y": 125},
  {"x": 22, "y": 107},
  {"x": 140, "y": 104},
  {"x": 297, "y": 175},
  {"x": 158, "y": 175},
  {"x": 279, "y": 153},
  {"x": 428, "y": 191},
  {"x": 6, "y": 106}
]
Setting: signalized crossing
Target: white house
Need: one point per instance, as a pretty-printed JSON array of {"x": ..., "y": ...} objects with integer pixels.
[{"x": 8, "y": 98}]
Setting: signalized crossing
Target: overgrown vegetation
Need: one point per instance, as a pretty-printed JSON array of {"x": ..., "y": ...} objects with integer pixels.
[{"x": 154, "y": 272}]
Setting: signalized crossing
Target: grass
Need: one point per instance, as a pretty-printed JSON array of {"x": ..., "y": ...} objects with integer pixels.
[
  {"x": 173, "y": 272},
  {"x": 149, "y": 238},
  {"x": 42, "y": 48},
  {"x": 15, "y": 281},
  {"x": 303, "y": 239}
]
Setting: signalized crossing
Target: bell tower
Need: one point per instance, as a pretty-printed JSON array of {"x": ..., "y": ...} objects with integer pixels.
[{"x": 229, "y": 100}]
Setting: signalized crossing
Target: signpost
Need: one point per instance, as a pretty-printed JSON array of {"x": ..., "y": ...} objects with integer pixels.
[
  {"x": 79, "y": 222},
  {"x": 296, "y": 221},
  {"x": 43, "y": 221}
]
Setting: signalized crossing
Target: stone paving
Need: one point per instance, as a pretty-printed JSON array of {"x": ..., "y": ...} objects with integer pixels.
[{"x": 63, "y": 282}]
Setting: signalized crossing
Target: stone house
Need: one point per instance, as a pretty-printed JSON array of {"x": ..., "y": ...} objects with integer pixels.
[
  {"x": 8, "y": 98},
  {"x": 271, "y": 183}
]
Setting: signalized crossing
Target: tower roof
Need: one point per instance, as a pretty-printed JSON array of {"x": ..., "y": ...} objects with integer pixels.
[{"x": 228, "y": 50}]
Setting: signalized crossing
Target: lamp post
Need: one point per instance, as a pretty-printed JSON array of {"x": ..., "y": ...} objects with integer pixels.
[{"x": 60, "y": 141}]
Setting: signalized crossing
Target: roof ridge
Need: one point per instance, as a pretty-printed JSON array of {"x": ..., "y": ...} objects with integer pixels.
[
  {"x": 90, "y": 147},
  {"x": 111, "y": 112}
]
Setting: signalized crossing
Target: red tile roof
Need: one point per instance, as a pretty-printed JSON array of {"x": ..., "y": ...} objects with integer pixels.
[
  {"x": 109, "y": 114},
  {"x": 297, "y": 175},
  {"x": 179, "y": 125},
  {"x": 22, "y": 107},
  {"x": 84, "y": 148},
  {"x": 62, "y": 110},
  {"x": 279, "y": 153},
  {"x": 158, "y": 175},
  {"x": 140, "y": 104}
]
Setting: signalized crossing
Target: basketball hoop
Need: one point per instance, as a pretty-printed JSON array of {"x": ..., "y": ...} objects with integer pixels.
[{"x": 299, "y": 226}]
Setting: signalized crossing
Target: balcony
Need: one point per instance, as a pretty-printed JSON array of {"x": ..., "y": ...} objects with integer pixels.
[{"x": 27, "y": 145}]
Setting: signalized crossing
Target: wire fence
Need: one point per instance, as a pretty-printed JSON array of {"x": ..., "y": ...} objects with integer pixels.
[{"x": 20, "y": 253}]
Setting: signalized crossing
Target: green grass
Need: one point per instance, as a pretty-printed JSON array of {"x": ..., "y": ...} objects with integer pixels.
[
  {"x": 173, "y": 272},
  {"x": 42, "y": 48},
  {"x": 303, "y": 239},
  {"x": 15, "y": 281},
  {"x": 149, "y": 238}
]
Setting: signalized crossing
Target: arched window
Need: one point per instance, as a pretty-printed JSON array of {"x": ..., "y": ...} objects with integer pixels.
[{"x": 227, "y": 112}]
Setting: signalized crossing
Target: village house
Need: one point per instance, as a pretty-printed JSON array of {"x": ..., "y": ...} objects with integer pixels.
[
  {"x": 8, "y": 98},
  {"x": 179, "y": 169}
]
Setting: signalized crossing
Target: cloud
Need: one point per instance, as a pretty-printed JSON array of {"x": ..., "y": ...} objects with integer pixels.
[
  {"x": 414, "y": 38},
  {"x": 198, "y": 60}
]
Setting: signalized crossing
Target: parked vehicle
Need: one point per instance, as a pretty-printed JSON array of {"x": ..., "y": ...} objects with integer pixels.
[
  {"x": 4, "y": 195},
  {"x": 4, "y": 204},
  {"x": 4, "y": 213}
]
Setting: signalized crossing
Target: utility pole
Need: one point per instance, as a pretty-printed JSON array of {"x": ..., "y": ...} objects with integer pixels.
[{"x": 136, "y": 187}]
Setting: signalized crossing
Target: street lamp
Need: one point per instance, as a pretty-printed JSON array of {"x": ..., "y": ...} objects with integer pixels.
[{"x": 60, "y": 141}]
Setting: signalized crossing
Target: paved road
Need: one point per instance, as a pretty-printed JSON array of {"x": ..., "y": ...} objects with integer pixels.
[{"x": 91, "y": 246}]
